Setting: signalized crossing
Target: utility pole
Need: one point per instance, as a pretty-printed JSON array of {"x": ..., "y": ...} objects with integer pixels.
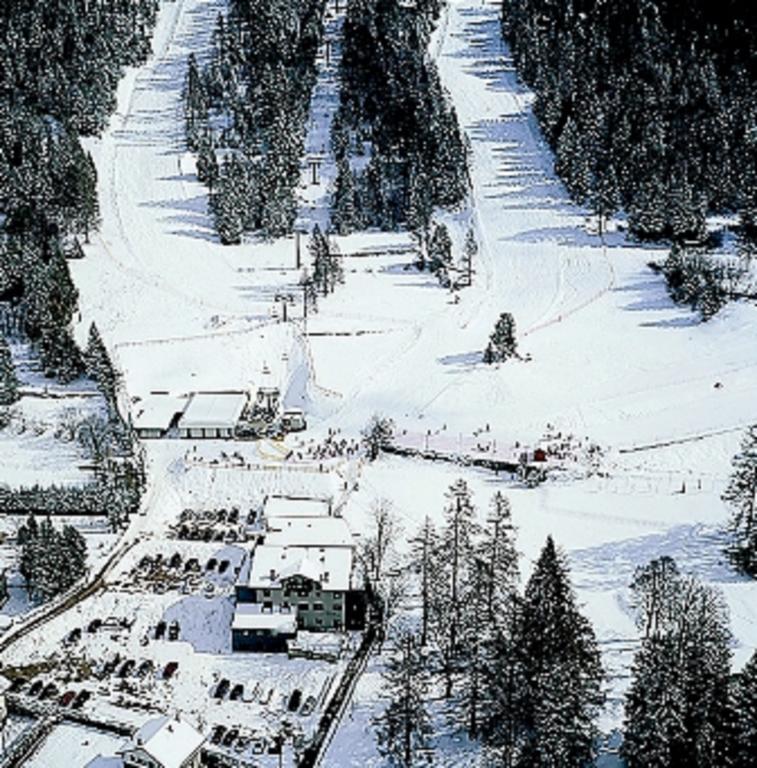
[{"x": 284, "y": 299}]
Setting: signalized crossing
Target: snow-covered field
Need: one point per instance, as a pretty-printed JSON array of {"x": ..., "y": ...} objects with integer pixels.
[{"x": 612, "y": 359}]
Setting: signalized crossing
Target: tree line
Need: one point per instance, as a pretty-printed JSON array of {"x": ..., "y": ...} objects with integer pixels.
[
  {"x": 396, "y": 140},
  {"x": 60, "y": 62},
  {"x": 246, "y": 113},
  {"x": 649, "y": 106},
  {"x": 52, "y": 560},
  {"x": 518, "y": 671}
]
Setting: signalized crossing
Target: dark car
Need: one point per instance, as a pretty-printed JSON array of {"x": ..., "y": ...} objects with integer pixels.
[
  {"x": 230, "y": 737},
  {"x": 236, "y": 692},
  {"x": 73, "y": 636},
  {"x": 170, "y": 670},
  {"x": 223, "y": 566},
  {"x": 217, "y": 735},
  {"x": 222, "y": 689},
  {"x": 49, "y": 691},
  {"x": 145, "y": 668},
  {"x": 160, "y": 630},
  {"x": 294, "y": 700},
  {"x": 212, "y": 563},
  {"x": 81, "y": 699},
  {"x": 35, "y": 688},
  {"x": 18, "y": 684},
  {"x": 173, "y": 630},
  {"x": 94, "y": 625},
  {"x": 67, "y": 698},
  {"x": 127, "y": 668},
  {"x": 193, "y": 564},
  {"x": 110, "y": 666},
  {"x": 175, "y": 561}
]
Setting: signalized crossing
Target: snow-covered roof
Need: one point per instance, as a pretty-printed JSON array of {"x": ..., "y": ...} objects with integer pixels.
[
  {"x": 251, "y": 616},
  {"x": 331, "y": 567},
  {"x": 308, "y": 532},
  {"x": 213, "y": 410},
  {"x": 168, "y": 741},
  {"x": 105, "y": 762},
  {"x": 157, "y": 411},
  {"x": 292, "y": 506}
]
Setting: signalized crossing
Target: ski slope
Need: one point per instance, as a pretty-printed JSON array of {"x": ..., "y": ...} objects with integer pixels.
[{"x": 611, "y": 357}]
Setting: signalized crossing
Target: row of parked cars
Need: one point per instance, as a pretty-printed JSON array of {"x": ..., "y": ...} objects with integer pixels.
[
  {"x": 262, "y": 695},
  {"x": 49, "y": 691},
  {"x": 121, "y": 667}
]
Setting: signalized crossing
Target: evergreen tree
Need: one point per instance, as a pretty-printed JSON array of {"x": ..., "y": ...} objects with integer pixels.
[
  {"x": 453, "y": 596},
  {"x": 440, "y": 250},
  {"x": 344, "y": 208},
  {"x": 744, "y": 745},
  {"x": 404, "y": 727},
  {"x": 502, "y": 343},
  {"x": 561, "y": 669},
  {"x": 498, "y": 553},
  {"x": 741, "y": 496},
  {"x": 377, "y": 435},
  {"x": 425, "y": 557},
  {"x": 228, "y": 203},
  {"x": 8, "y": 379},
  {"x": 677, "y": 706},
  {"x": 470, "y": 251}
]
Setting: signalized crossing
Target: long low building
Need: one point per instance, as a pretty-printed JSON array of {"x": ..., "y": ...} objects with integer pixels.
[
  {"x": 257, "y": 629},
  {"x": 213, "y": 414},
  {"x": 157, "y": 414}
]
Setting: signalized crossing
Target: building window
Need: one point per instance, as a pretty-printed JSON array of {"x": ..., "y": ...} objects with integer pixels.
[
  {"x": 268, "y": 605},
  {"x": 337, "y": 606},
  {"x": 303, "y": 607},
  {"x": 319, "y": 621},
  {"x": 266, "y": 593},
  {"x": 317, "y": 606}
]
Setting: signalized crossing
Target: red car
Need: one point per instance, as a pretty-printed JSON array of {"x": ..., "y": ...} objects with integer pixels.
[
  {"x": 67, "y": 698},
  {"x": 170, "y": 670}
]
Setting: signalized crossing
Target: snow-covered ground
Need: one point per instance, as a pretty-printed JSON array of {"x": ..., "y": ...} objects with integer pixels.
[{"x": 612, "y": 360}]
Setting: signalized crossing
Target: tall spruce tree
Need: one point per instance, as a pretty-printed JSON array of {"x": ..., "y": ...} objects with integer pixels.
[
  {"x": 8, "y": 378},
  {"x": 741, "y": 496},
  {"x": 404, "y": 727},
  {"x": 744, "y": 744},
  {"x": 677, "y": 706},
  {"x": 561, "y": 666},
  {"x": 503, "y": 343}
]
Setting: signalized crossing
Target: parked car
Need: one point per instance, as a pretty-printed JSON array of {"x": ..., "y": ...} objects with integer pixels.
[
  {"x": 193, "y": 564},
  {"x": 94, "y": 625},
  {"x": 35, "y": 688},
  {"x": 230, "y": 737},
  {"x": 175, "y": 560},
  {"x": 258, "y": 745},
  {"x": 49, "y": 691},
  {"x": 236, "y": 692},
  {"x": 294, "y": 700},
  {"x": 18, "y": 684},
  {"x": 170, "y": 670},
  {"x": 127, "y": 668},
  {"x": 223, "y": 566},
  {"x": 308, "y": 707},
  {"x": 81, "y": 699},
  {"x": 145, "y": 668},
  {"x": 217, "y": 735},
  {"x": 211, "y": 564},
  {"x": 160, "y": 630},
  {"x": 73, "y": 636},
  {"x": 173, "y": 630},
  {"x": 222, "y": 689},
  {"x": 67, "y": 698}
]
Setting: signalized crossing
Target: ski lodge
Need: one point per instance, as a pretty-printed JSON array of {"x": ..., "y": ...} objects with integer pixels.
[
  {"x": 212, "y": 414},
  {"x": 301, "y": 576}
]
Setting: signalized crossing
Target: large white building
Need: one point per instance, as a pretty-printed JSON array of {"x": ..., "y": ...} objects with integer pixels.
[{"x": 212, "y": 414}]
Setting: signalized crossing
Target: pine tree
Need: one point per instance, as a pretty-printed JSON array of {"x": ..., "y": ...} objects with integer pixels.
[
  {"x": 425, "y": 557},
  {"x": 344, "y": 212},
  {"x": 404, "y": 727},
  {"x": 377, "y": 435},
  {"x": 440, "y": 250},
  {"x": 497, "y": 551},
  {"x": 502, "y": 343},
  {"x": 453, "y": 596},
  {"x": 470, "y": 251},
  {"x": 744, "y": 746},
  {"x": 741, "y": 496},
  {"x": 561, "y": 669},
  {"x": 8, "y": 379},
  {"x": 228, "y": 204},
  {"x": 677, "y": 706}
]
